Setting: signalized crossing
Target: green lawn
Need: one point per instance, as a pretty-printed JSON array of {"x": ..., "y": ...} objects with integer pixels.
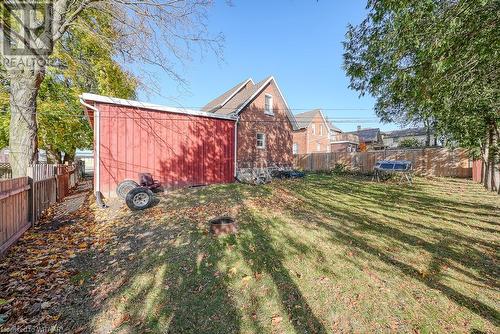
[{"x": 320, "y": 255}]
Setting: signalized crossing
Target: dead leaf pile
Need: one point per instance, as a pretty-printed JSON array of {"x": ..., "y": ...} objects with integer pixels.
[{"x": 35, "y": 272}]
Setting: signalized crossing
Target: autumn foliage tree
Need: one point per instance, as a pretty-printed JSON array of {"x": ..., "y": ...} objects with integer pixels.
[
  {"x": 88, "y": 67},
  {"x": 145, "y": 32}
]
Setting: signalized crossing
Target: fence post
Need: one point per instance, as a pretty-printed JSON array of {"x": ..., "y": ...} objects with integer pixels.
[
  {"x": 31, "y": 197},
  {"x": 58, "y": 186}
]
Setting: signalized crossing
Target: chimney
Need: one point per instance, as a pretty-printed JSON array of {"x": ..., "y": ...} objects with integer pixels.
[{"x": 359, "y": 127}]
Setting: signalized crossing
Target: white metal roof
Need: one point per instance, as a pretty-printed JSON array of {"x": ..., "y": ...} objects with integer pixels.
[{"x": 144, "y": 105}]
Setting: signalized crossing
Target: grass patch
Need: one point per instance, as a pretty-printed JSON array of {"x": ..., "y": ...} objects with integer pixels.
[{"x": 319, "y": 255}]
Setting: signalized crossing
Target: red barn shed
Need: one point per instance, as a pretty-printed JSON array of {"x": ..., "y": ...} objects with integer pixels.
[{"x": 178, "y": 147}]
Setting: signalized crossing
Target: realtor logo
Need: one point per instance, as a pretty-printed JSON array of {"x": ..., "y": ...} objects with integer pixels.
[{"x": 26, "y": 27}]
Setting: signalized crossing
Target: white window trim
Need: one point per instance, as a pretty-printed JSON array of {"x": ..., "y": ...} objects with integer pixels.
[
  {"x": 313, "y": 127},
  {"x": 271, "y": 111},
  {"x": 318, "y": 147},
  {"x": 295, "y": 148},
  {"x": 263, "y": 146},
  {"x": 321, "y": 129}
]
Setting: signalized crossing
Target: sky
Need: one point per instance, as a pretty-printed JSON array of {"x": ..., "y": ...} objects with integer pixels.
[{"x": 299, "y": 42}]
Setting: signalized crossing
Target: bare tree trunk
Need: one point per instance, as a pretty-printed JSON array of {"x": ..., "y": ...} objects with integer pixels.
[
  {"x": 427, "y": 133},
  {"x": 54, "y": 156},
  {"x": 23, "y": 140},
  {"x": 491, "y": 159},
  {"x": 494, "y": 157}
]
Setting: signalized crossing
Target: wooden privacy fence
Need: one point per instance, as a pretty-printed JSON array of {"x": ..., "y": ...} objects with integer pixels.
[
  {"x": 426, "y": 161},
  {"x": 14, "y": 210},
  {"x": 23, "y": 200},
  {"x": 43, "y": 180}
]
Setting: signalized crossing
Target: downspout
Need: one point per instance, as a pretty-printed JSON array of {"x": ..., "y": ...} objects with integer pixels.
[
  {"x": 97, "y": 162},
  {"x": 236, "y": 146}
]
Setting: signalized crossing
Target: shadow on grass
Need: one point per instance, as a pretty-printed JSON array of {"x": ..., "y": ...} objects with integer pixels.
[
  {"x": 159, "y": 272},
  {"x": 157, "y": 278},
  {"x": 262, "y": 256},
  {"x": 356, "y": 223}
]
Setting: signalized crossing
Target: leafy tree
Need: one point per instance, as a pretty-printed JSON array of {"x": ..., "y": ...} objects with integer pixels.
[
  {"x": 410, "y": 143},
  {"x": 148, "y": 32},
  {"x": 432, "y": 60},
  {"x": 89, "y": 66}
]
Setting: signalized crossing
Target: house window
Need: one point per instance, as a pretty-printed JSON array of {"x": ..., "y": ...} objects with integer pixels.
[
  {"x": 261, "y": 140},
  {"x": 313, "y": 129},
  {"x": 295, "y": 148},
  {"x": 318, "y": 147},
  {"x": 321, "y": 129},
  {"x": 268, "y": 106}
]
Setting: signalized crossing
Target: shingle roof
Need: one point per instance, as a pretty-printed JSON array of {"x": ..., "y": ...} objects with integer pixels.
[
  {"x": 406, "y": 133},
  {"x": 333, "y": 127},
  {"x": 218, "y": 101},
  {"x": 236, "y": 102},
  {"x": 305, "y": 118},
  {"x": 237, "y": 97},
  {"x": 367, "y": 135}
]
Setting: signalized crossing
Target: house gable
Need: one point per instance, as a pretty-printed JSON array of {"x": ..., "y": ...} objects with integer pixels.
[
  {"x": 314, "y": 133},
  {"x": 237, "y": 98},
  {"x": 219, "y": 102},
  {"x": 262, "y": 87},
  {"x": 277, "y": 129}
]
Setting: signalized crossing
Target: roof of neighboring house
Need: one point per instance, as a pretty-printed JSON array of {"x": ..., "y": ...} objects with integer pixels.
[
  {"x": 333, "y": 127},
  {"x": 304, "y": 119},
  {"x": 82, "y": 153},
  {"x": 406, "y": 133},
  {"x": 235, "y": 99},
  {"x": 367, "y": 135}
]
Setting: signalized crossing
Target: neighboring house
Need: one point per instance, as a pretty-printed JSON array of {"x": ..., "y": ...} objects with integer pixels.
[
  {"x": 313, "y": 133},
  {"x": 179, "y": 147},
  {"x": 344, "y": 142},
  {"x": 87, "y": 156},
  {"x": 264, "y": 124},
  {"x": 371, "y": 137},
  {"x": 392, "y": 139}
]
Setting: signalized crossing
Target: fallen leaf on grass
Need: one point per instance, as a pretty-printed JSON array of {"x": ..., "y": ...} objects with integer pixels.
[
  {"x": 324, "y": 279},
  {"x": 276, "y": 319}
]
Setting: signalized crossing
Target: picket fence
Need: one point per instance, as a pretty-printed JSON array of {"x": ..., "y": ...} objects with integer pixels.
[
  {"x": 23, "y": 200},
  {"x": 425, "y": 161}
]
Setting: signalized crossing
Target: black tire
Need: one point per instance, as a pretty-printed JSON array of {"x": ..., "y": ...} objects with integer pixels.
[
  {"x": 139, "y": 198},
  {"x": 124, "y": 187}
]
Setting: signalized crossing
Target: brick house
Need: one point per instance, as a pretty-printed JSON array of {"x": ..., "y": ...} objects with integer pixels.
[
  {"x": 264, "y": 124},
  {"x": 313, "y": 133}
]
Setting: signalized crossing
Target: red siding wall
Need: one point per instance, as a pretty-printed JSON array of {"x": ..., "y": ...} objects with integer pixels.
[{"x": 178, "y": 149}]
